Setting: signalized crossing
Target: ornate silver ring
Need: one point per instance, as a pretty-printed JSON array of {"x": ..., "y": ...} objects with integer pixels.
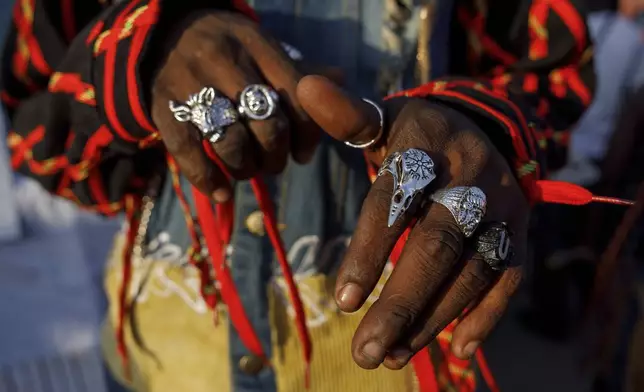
[
  {"x": 258, "y": 102},
  {"x": 210, "y": 112},
  {"x": 376, "y": 139},
  {"x": 492, "y": 241},
  {"x": 466, "y": 203},
  {"x": 412, "y": 171}
]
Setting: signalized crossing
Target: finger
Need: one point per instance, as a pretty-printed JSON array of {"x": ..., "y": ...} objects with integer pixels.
[
  {"x": 266, "y": 146},
  {"x": 334, "y": 74},
  {"x": 338, "y": 114},
  {"x": 481, "y": 320},
  {"x": 280, "y": 72},
  {"x": 184, "y": 142},
  {"x": 370, "y": 247},
  {"x": 469, "y": 284},
  {"x": 429, "y": 256}
]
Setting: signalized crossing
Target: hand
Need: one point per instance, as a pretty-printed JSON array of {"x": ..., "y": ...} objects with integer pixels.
[
  {"x": 438, "y": 274},
  {"x": 228, "y": 52}
]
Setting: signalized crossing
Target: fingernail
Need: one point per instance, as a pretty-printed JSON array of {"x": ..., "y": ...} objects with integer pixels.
[
  {"x": 349, "y": 297},
  {"x": 470, "y": 349},
  {"x": 400, "y": 355},
  {"x": 374, "y": 351},
  {"x": 221, "y": 195}
]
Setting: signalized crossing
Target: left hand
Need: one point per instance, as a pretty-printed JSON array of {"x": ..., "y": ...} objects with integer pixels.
[{"x": 438, "y": 275}]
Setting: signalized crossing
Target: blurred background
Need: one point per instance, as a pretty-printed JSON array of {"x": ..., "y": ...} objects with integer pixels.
[{"x": 575, "y": 326}]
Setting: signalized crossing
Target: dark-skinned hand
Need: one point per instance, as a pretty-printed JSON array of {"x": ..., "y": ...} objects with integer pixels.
[
  {"x": 227, "y": 51},
  {"x": 438, "y": 275}
]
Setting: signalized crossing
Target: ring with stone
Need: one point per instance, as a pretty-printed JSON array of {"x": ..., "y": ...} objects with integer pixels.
[
  {"x": 209, "y": 111},
  {"x": 258, "y": 102},
  {"x": 492, "y": 241},
  {"x": 412, "y": 171},
  {"x": 467, "y": 204}
]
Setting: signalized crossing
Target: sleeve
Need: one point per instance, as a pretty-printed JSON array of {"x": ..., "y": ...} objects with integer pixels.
[
  {"x": 532, "y": 95},
  {"x": 73, "y": 83}
]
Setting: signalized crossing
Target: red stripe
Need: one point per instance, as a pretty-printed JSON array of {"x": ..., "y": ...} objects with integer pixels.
[
  {"x": 25, "y": 29},
  {"x": 242, "y": 6},
  {"x": 229, "y": 292},
  {"x": 108, "y": 78},
  {"x": 575, "y": 23},
  {"x": 96, "y": 186},
  {"x": 477, "y": 24},
  {"x": 538, "y": 45},
  {"x": 27, "y": 144},
  {"x": 69, "y": 22},
  {"x": 8, "y": 100},
  {"x": 425, "y": 372},
  {"x": 527, "y": 181},
  {"x": 72, "y": 84},
  {"x": 37, "y": 58},
  {"x": 577, "y": 85},
  {"x": 522, "y": 122},
  {"x": 94, "y": 32},
  {"x": 519, "y": 145},
  {"x": 530, "y": 83},
  {"x": 132, "y": 84}
]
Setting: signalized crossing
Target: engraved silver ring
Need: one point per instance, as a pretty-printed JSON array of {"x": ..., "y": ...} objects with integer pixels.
[
  {"x": 258, "y": 102},
  {"x": 467, "y": 204},
  {"x": 209, "y": 111},
  {"x": 493, "y": 242},
  {"x": 412, "y": 171}
]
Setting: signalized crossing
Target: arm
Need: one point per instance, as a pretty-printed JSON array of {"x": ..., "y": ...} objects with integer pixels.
[
  {"x": 531, "y": 97},
  {"x": 72, "y": 82}
]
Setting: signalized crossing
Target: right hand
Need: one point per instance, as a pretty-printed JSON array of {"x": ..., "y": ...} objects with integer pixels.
[{"x": 228, "y": 51}]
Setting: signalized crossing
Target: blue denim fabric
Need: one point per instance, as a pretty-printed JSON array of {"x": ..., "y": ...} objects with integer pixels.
[
  {"x": 619, "y": 66},
  {"x": 322, "y": 199}
]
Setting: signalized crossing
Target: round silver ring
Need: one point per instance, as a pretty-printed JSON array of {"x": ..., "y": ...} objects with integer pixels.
[
  {"x": 412, "y": 171},
  {"x": 376, "y": 139},
  {"x": 493, "y": 242},
  {"x": 467, "y": 204},
  {"x": 258, "y": 102},
  {"x": 207, "y": 110}
]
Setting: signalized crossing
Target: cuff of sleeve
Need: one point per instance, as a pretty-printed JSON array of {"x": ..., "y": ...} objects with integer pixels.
[
  {"x": 124, "y": 64},
  {"x": 500, "y": 118}
]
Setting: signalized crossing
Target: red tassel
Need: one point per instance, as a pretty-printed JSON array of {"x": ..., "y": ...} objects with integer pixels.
[
  {"x": 560, "y": 192},
  {"x": 264, "y": 201},
  {"x": 131, "y": 206}
]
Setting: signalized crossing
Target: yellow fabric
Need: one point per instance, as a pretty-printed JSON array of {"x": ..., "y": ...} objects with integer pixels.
[
  {"x": 182, "y": 350},
  {"x": 179, "y": 350},
  {"x": 332, "y": 368}
]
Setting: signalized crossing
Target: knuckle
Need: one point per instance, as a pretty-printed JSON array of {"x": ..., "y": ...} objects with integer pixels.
[
  {"x": 473, "y": 148},
  {"x": 198, "y": 176},
  {"x": 475, "y": 277},
  {"x": 515, "y": 277},
  {"x": 443, "y": 240},
  {"x": 398, "y": 311},
  {"x": 181, "y": 146},
  {"x": 272, "y": 134}
]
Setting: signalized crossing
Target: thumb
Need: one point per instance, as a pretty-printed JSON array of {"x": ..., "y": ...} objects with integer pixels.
[{"x": 338, "y": 114}]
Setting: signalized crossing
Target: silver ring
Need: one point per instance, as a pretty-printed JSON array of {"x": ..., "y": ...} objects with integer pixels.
[
  {"x": 210, "y": 112},
  {"x": 258, "y": 102},
  {"x": 466, "y": 203},
  {"x": 412, "y": 171},
  {"x": 492, "y": 241},
  {"x": 380, "y": 131}
]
